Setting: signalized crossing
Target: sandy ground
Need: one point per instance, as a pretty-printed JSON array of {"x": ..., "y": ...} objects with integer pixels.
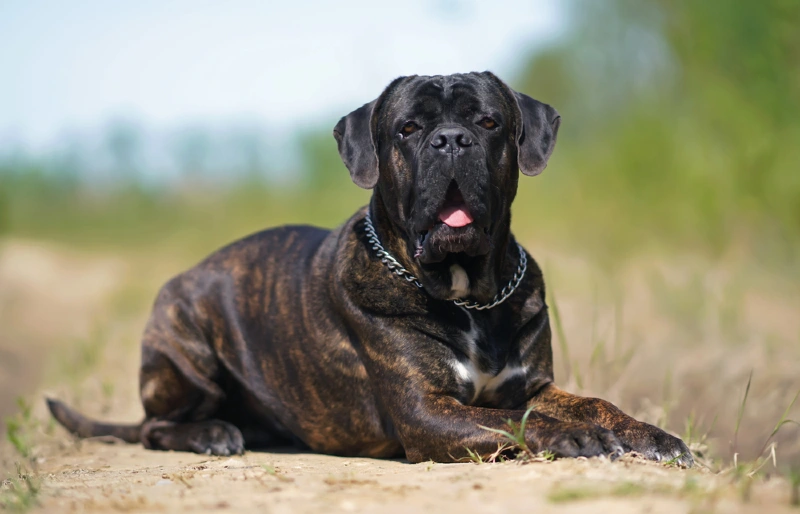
[
  {"x": 95, "y": 476},
  {"x": 100, "y": 477}
]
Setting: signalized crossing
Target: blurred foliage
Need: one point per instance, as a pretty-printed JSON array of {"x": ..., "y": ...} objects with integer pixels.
[
  {"x": 192, "y": 219},
  {"x": 4, "y": 207},
  {"x": 681, "y": 122}
]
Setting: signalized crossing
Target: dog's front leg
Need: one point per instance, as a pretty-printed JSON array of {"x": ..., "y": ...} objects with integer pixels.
[
  {"x": 427, "y": 401},
  {"x": 643, "y": 438},
  {"x": 441, "y": 429}
]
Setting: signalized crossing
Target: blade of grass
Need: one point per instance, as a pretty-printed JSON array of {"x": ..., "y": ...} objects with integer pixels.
[
  {"x": 502, "y": 432},
  {"x": 517, "y": 435},
  {"x": 741, "y": 414},
  {"x": 473, "y": 456},
  {"x": 781, "y": 422}
]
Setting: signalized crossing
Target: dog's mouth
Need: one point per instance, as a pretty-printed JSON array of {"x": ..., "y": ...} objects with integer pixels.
[
  {"x": 453, "y": 231},
  {"x": 454, "y": 213}
]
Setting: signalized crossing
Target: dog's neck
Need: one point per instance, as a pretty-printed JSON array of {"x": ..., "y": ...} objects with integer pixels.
[{"x": 458, "y": 276}]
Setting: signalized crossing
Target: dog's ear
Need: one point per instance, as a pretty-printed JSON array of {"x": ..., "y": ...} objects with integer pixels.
[
  {"x": 357, "y": 140},
  {"x": 536, "y": 134},
  {"x": 357, "y": 146},
  {"x": 537, "y": 128}
]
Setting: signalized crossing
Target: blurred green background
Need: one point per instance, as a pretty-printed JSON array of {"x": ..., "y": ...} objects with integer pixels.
[{"x": 681, "y": 123}]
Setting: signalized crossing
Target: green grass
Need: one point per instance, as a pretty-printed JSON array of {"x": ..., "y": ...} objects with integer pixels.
[
  {"x": 20, "y": 492},
  {"x": 20, "y": 429},
  {"x": 566, "y": 494},
  {"x": 473, "y": 456},
  {"x": 571, "y": 494},
  {"x": 674, "y": 461},
  {"x": 690, "y": 490},
  {"x": 784, "y": 420},
  {"x": 515, "y": 435},
  {"x": 199, "y": 219},
  {"x": 513, "y": 439},
  {"x": 794, "y": 483}
]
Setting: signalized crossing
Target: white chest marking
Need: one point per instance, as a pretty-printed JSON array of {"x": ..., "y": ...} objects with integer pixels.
[
  {"x": 459, "y": 280},
  {"x": 481, "y": 381},
  {"x": 470, "y": 371}
]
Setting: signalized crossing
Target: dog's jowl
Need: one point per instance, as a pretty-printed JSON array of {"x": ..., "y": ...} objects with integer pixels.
[{"x": 404, "y": 331}]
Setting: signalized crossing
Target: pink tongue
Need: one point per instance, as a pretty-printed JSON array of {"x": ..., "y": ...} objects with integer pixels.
[{"x": 455, "y": 217}]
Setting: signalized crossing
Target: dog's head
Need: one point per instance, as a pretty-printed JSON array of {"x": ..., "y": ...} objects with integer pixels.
[{"x": 444, "y": 153}]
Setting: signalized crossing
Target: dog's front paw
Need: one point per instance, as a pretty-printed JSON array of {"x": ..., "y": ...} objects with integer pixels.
[
  {"x": 580, "y": 440},
  {"x": 654, "y": 444}
]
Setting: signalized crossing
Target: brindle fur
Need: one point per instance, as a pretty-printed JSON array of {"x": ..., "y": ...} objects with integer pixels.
[{"x": 302, "y": 335}]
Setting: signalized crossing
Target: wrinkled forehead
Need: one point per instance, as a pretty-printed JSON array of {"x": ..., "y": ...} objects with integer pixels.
[{"x": 431, "y": 97}]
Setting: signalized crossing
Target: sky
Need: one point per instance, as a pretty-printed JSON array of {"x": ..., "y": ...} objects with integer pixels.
[{"x": 71, "y": 66}]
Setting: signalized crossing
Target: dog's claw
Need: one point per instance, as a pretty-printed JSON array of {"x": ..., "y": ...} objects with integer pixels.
[{"x": 654, "y": 444}]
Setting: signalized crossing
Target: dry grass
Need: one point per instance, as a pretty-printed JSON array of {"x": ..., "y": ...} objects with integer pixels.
[{"x": 680, "y": 343}]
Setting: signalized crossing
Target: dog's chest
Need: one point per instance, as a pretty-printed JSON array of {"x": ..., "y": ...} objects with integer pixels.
[{"x": 481, "y": 371}]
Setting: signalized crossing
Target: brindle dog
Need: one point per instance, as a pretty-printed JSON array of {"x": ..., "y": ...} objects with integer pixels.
[{"x": 316, "y": 337}]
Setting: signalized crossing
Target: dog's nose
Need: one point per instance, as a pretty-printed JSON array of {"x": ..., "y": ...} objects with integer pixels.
[{"x": 451, "y": 139}]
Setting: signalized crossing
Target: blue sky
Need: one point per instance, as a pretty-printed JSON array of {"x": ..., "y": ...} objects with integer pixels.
[{"x": 70, "y": 66}]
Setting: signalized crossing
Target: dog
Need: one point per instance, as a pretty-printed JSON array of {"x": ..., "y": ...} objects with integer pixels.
[{"x": 405, "y": 332}]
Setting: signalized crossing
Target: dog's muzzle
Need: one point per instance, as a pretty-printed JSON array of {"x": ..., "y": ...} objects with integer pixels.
[{"x": 454, "y": 230}]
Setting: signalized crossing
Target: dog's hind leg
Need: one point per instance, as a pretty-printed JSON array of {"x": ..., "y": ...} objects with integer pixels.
[
  {"x": 179, "y": 404},
  {"x": 180, "y": 382},
  {"x": 212, "y": 437},
  {"x": 180, "y": 401}
]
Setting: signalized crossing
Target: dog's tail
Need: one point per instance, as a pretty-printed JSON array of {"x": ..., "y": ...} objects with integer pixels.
[{"x": 84, "y": 427}]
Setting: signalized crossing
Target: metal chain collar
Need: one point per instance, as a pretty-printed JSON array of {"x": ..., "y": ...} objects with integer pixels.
[{"x": 398, "y": 269}]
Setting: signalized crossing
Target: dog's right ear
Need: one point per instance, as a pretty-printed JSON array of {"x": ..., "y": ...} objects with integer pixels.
[
  {"x": 357, "y": 146},
  {"x": 356, "y": 136}
]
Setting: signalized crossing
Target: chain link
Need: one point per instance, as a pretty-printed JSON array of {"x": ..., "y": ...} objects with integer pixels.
[{"x": 398, "y": 269}]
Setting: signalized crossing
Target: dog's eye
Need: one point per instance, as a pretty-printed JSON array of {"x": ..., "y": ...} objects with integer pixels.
[
  {"x": 487, "y": 123},
  {"x": 409, "y": 128}
]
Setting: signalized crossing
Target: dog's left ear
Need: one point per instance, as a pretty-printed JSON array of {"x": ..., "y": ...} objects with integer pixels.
[
  {"x": 536, "y": 135},
  {"x": 537, "y": 128}
]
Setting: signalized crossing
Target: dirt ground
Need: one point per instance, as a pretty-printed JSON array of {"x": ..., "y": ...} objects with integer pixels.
[
  {"x": 99, "y": 477},
  {"x": 71, "y": 323}
]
